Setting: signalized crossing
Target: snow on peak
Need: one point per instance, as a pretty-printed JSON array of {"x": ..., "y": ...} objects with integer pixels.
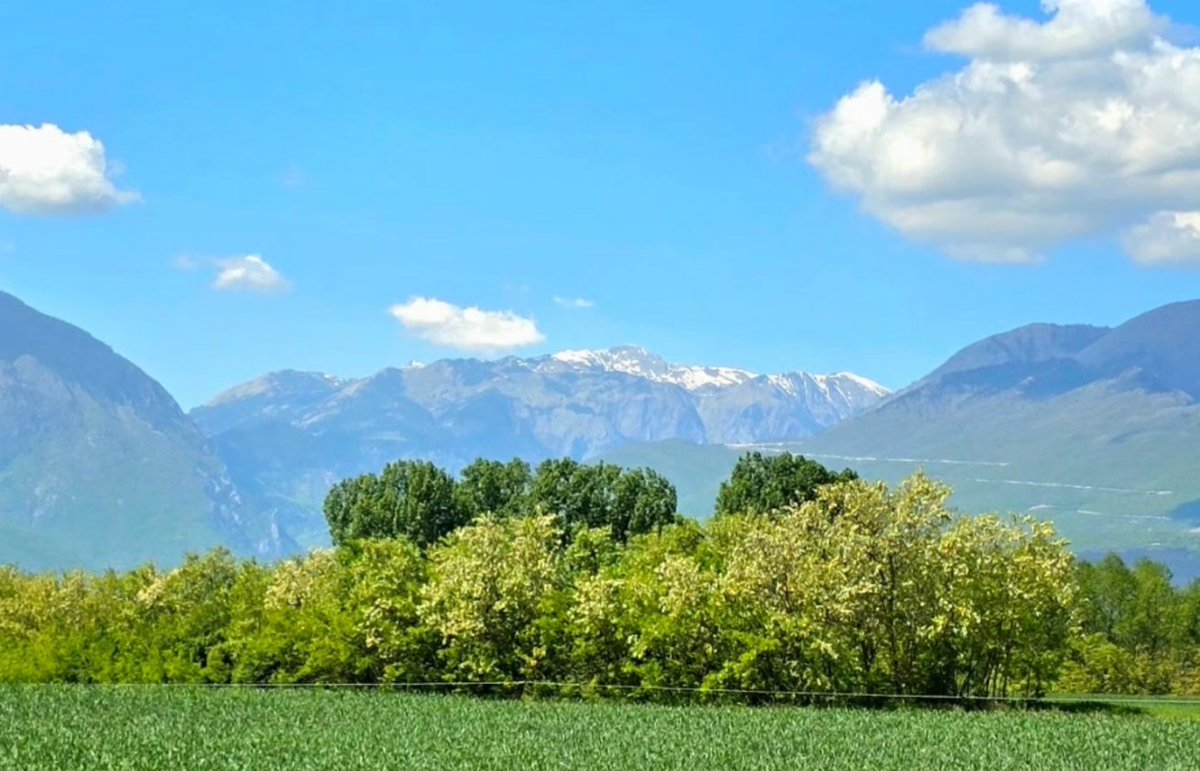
[
  {"x": 632, "y": 360},
  {"x": 851, "y": 391},
  {"x": 865, "y": 383},
  {"x": 585, "y": 358},
  {"x": 626, "y": 358},
  {"x": 695, "y": 378},
  {"x": 277, "y": 384},
  {"x": 843, "y": 388}
]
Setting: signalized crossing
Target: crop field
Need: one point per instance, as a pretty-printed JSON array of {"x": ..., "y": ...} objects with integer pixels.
[{"x": 63, "y": 727}]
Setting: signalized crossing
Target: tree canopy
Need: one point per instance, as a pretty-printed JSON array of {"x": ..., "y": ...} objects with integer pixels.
[
  {"x": 766, "y": 483},
  {"x": 584, "y": 577},
  {"x": 420, "y": 502},
  {"x": 626, "y": 502},
  {"x": 411, "y": 499},
  {"x": 864, "y": 589}
]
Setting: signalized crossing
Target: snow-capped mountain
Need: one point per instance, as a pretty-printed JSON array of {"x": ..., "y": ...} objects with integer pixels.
[
  {"x": 845, "y": 393},
  {"x": 639, "y": 362},
  {"x": 737, "y": 406},
  {"x": 288, "y": 435},
  {"x": 576, "y": 402},
  {"x": 844, "y": 387}
]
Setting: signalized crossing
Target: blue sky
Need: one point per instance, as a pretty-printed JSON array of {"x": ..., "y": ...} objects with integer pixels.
[{"x": 662, "y": 164}]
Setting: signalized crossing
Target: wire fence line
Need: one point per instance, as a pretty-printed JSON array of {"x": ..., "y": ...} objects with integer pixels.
[{"x": 588, "y": 687}]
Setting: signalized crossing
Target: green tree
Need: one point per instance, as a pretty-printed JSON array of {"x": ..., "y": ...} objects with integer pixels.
[
  {"x": 762, "y": 484},
  {"x": 1006, "y": 606},
  {"x": 306, "y": 635},
  {"x": 653, "y": 619},
  {"x": 492, "y": 487},
  {"x": 410, "y": 499},
  {"x": 643, "y": 502},
  {"x": 1140, "y": 633},
  {"x": 1189, "y": 616},
  {"x": 837, "y": 593},
  {"x": 1107, "y": 590},
  {"x": 336, "y": 616},
  {"x": 487, "y": 589},
  {"x": 386, "y": 580},
  {"x": 1155, "y": 612},
  {"x": 863, "y": 588},
  {"x": 866, "y": 589},
  {"x": 580, "y": 495},
  {"x": 180, "y": 621}
]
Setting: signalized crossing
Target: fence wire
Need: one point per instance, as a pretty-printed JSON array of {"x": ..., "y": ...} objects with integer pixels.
[{"x": 589, "y": 687}]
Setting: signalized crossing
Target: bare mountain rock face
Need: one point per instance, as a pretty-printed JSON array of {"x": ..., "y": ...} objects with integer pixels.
[{"x": 99, "y": 467}]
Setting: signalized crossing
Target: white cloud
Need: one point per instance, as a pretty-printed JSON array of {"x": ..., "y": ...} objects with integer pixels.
[
  {"x": 1168, "y": 238},
  {"x": 248, "y": 274},
  {"x": 1084, "y": 124},
  {"x": 44, "y": 170},
  {"x": 1079, "y": 28},
  {"x": 468, "y": 329},
  {"x": 574, "y": 303}
]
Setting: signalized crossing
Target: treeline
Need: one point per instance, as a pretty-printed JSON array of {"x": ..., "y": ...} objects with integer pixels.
[
  {"x": 1138, "y": 633},
  {"x": 418, "y": 501},
  {"x": 807, "y": 581}
]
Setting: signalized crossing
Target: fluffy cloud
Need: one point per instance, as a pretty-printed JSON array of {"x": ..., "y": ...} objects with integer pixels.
[
  {"x": 247, "y": 274},
  {"x": 574, "y": 303},
  {"x": 1079, "y": 28},
  {"x": 1166, "y": 239},
  {"x": 468, "y": 329},
  {"x": 1084, "y": 124},
  {"x": 47, "y": 171}
]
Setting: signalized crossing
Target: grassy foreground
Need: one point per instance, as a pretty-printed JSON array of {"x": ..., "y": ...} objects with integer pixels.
[{"x": 63, "y": 727}]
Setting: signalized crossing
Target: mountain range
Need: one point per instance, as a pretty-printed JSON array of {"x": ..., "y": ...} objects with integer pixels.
[
  {"x": 288, "y": 436},
  {"x": 1094, "y": 428},
  {"x": 99, "y": 467}
]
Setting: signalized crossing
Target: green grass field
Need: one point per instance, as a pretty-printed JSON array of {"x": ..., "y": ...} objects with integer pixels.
[{"x": 61, "y": 727}]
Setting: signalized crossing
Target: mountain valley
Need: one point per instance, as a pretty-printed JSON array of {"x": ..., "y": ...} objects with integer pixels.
[{"x": 1095, "y": 429}]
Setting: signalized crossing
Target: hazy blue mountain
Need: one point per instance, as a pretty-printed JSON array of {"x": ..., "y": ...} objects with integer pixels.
[
  {"x": 1163, "y": 345},
  {"x": 288, "y": 436},
  {"x": 1028, "y": 345},
  {"x": 1095, "y": 429},
  {"x": 275, "y": 397},
  {"x": 98, "y": 465},
  {"x": 773, "y": 408}
]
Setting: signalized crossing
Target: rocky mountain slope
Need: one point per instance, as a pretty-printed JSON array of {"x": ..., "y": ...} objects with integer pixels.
[
  {"x": 290, "y": 435},
  {"x": 99, "y": 467}
]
